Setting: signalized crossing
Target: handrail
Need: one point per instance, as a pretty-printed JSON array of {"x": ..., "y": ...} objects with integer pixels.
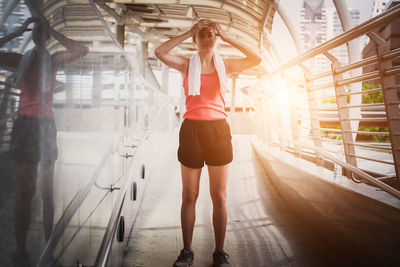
[
  {"x": 45, "y": 259},
  {"x": 361, "y": 29},
  {"x": 132, "y": 64},
  {"x": 355, "y": 170},
  {"x": 105, "y": 247}
]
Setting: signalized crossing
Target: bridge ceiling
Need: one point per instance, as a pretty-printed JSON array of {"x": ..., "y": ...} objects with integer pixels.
[{"x": 159, "y": 21}]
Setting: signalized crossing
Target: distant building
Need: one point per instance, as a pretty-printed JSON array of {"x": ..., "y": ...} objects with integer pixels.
[
  {"x": 17, "y": 17},
  {"x": 319, "y": 23},
  {"x": 378, "y": 7},
  {"x": 313, "y": 30},
  {"x": 390, "y": 33}
]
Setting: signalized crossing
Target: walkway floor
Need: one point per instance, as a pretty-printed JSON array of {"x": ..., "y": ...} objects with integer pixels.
[{"x": 262, "y": 231}]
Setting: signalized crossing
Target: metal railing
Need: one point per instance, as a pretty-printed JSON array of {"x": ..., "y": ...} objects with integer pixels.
[{"x": 314, "y": 113}]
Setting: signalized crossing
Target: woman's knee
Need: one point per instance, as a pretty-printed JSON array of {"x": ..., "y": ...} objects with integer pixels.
[
  {"x": 219, "y": 198},
  {"x": 25, "y": 192},
  {"x": 189, "y": 197}
]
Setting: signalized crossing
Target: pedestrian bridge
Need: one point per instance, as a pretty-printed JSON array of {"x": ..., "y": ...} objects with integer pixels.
[{"x": 315, "y": 175}]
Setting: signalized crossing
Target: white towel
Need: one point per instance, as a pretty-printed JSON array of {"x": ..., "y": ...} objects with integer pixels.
[{"x": 194, "y": 79}]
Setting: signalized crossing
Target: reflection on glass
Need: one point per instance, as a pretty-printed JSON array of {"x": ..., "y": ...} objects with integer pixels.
[
  {"x": 98, "y": 100},
  {"x": 34, "y": 134}
]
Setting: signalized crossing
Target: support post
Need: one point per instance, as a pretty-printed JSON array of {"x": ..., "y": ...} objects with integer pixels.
[
  {"x": 143, "y": 57},
  {"x": 233, "y": 103},
  {"x": 279, "y": 122},
  {"x": 267, "y": 116},
  {"x": 120, "y": 30},
  {"x": 354, "y": 56},
  {"x": 69, "y": 97},
  {"x": 390, "y": 98},
  {"x": 313, "y": 103},
  {"x": 294, "y": 126},
  {"x": 165, "y": 78},
  {"x": 97, "y": 87},
  {"x": 343, "y": 113}
]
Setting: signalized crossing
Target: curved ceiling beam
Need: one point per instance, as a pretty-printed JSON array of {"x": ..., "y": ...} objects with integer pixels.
[
  {"x": 347, "y": 24},
  {"x": 289, "y": 25},
  {"x": 266, "y": 16},
  {"x": 354, "y": 56},
  {"x": 7, "y": 11},
  {"x": 240, "y": 12},
  {"x": 274, "y": 47}
]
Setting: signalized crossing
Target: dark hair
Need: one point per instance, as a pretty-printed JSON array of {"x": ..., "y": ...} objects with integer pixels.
[
  {"x": 194, "y": 36},
  {"x": 41, "y": 27}
]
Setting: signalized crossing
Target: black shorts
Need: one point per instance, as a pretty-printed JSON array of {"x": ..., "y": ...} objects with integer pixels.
[
  {"x": 34, "y": 139},
  {"x": 205, "y": 141}
]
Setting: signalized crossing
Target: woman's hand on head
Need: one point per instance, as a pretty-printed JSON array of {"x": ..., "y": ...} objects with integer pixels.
[
  {"x": 199, "y": 25},
  {"x": 219, "y": 31}
]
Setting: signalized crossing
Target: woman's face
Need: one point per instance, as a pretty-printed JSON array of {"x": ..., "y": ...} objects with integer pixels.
[{"x": 205, "y": 38}]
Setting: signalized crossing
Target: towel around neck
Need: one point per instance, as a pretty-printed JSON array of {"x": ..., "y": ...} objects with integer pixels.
[{"x": 194, "y": 79}]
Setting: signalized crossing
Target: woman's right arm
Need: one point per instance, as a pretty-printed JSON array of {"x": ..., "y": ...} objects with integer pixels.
[
  {"x": 178, "y": 62},
  {"x": 10, "y": 60}
]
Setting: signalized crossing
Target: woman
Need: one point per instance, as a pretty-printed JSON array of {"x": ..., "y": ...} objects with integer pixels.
[
  {"x": 205, "y": 135},
  {"x": 34, "y": 134}
]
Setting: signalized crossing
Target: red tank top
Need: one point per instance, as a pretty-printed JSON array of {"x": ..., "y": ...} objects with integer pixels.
[
  {"x": 33, "y": 102},
  {"x": 210, "y": 104}
]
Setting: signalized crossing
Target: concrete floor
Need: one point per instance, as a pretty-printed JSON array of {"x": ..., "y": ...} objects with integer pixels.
[{"x": 262, "y": 230}]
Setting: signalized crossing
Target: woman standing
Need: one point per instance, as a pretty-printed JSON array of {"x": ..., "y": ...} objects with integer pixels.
[
  {"x": 34, "y": 134},
  {"x": 205, "y": 135}
]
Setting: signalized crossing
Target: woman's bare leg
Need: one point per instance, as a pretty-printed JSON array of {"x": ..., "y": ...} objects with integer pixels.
[
  {"x": 190, "y": 192},
  {"x": 218, "y": 181},
  {"x": 47, "y": 188},
  {"x": 25, "y": 176}
]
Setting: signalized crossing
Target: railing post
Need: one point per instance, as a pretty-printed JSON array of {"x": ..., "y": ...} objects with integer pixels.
[
  {"x": 390, "y": 97},
  {"x": 279, "y": 122},
  {"x": 313, "y": 103},
  {"x": 268, "y": 116},
  {"x": 294, "y": 126},
  {"x": 260, "y": 114},
  {"x": 4, "y": 105},
  {"x": 343, "y": 112}
]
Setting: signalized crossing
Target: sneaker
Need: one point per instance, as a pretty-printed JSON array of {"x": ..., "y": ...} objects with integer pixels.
[
  {"x": 185, "y": 258},
  {"x": 220, "y": 259}
]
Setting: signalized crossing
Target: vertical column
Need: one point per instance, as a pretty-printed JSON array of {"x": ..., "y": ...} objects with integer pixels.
[
  {"x": 97, "y": 87},
  {"x": 165, "y": 78},
  {"x": 312, "y": 104},
  {"x": 233, "y": 103},
  {"x": 278, "y": 121},
  {"x": 268, "y": 115},
  {"x": 390, "y": 98},
  {"x": 343, "y": 112},
  {"x": 4, "y": 105},
  {"x": 143, "y": 57},
  {"x": 293, "y": 122},
  {"x": 69, "y": 87},
  {"x": 132, "y": 99},
  {"x": 120, "y": 33}
]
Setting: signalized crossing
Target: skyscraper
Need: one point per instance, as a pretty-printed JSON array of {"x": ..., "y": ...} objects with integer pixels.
[
  {"x": 14, "y": 20},
  {"x": 319, "y": 23},
  {"x": 313, "y": 30},
  {"x": 334, "y": 28},
  {"x": 378, "y": 7}
]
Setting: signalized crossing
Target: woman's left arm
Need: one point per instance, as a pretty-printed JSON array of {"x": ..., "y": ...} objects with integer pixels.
[{"x": 238, "y": 64}]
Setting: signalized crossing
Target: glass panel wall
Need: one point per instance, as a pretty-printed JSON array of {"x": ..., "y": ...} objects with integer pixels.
[{"x": 74, "y": 108}]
